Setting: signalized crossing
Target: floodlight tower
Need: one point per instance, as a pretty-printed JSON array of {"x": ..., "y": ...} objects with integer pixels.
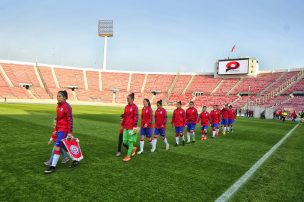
[{"x": 105, "y": 29}]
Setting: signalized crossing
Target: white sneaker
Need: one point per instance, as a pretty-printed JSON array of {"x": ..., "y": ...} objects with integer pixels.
[
  {"x": 167, "y": 146},
  {"x": 47, "y": 163},
  {"x": 140, "y": 152}
]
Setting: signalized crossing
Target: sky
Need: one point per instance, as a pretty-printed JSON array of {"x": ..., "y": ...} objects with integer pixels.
[{"x": 158, "y": 35}]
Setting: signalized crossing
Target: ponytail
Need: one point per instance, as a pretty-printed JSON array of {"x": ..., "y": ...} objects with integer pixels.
[
  {"x": 132, "y": 96},
  {"x": 160, "y": 102},
  {"x": 64, "y": 93},
  {"x": 148, "y": 101}
]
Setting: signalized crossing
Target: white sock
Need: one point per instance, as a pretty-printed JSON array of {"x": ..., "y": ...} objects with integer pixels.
[
  {"x": 225, "y": 128},
  {"x": 165, "y": 141},
  {"x": 141, "y": 144},
  {"x": 55, "y": 159},
  {"x": 183, "y": 138},
  {"x": 193, "y": 135},
  {"x": 188, "y": 137},
  {"x": 213, "y": 133},
  {"x": 154, "y": 142},
  {"x": 176, "y": 140}
]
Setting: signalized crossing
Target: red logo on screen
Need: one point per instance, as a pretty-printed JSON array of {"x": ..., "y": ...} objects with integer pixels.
[{"x": 232, "y": 65}]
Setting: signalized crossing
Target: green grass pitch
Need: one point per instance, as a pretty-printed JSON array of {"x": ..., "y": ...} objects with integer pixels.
[{"x": 197, "y": 172}]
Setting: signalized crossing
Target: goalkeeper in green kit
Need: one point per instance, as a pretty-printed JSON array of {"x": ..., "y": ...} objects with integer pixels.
[{"x": 130, "y": 126}]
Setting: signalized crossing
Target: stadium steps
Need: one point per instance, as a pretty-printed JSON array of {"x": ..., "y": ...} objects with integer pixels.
[
  {"x": 297, "y": 79},
  {"x": 4, "y": 75},
  {"x": 41, "y": 79},
  {"x": 129, "y": 82},
  {"x": 273, "y": 83},
  {"x": 236, "y": 100},
  {"x": 31, "y": 94},
  {"x": 235, "y": 86},
  {"x": 189, "y": 83},
  {"x": 280, "y": 89},
  {"x": 173, "y": 85},
  {"x": 38, "y": 76},
  {"x": 85, "y": 80},
  {"x": 55, "y": 77},
  {"x": 217, "y": 86},
  {"x": 290, "y": 82},
  {"x": 144, "y": 84}
]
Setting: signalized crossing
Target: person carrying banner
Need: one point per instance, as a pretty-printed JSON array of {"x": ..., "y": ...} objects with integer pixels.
[{"x": 64, "y": 127}]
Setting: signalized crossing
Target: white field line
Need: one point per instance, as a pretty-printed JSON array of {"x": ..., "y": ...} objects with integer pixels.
[{"x": 242, "y": 180}]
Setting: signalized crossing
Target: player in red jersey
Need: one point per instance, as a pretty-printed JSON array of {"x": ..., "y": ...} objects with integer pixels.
[
  {"x": 218, "y": 128},
  {"x": 204, "y": 118},
  {"x": 224, "y": 116},
  {"x": 231, "y": 118},
  {"x": 160, "y": 125},
  {"x": 215, "y": 120},
  {"x": 191, "y": 119},
  {"x": 179, "y": 122},
  {"x": 146, "y": 125},
  {"x": 129, "y": 124},
  {"x": 64, "y": 127}
]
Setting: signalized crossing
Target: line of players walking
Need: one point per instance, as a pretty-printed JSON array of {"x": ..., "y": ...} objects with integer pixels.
[{"x": 180, "y": 119}]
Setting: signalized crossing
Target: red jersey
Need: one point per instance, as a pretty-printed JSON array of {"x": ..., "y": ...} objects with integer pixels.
[
  {"x": 64, "y": 120},
  {"x": 215, "y": 116},
  {"x": 191, "y": 115},
  {"x": 53, "y": 137},
  {"x": 231, "y": 114},
  {"x": 224, "y": 113},
  {"x": 146, "y": 117},
  {"x": 204, "y": 117},
  {"x": 160, "y": 118},
  {"x": 130, "y": 119},
  {"x": 179, "y": 117}
]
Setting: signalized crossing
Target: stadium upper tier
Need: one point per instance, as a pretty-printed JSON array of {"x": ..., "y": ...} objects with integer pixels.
[{"x": 30, "y": 81}]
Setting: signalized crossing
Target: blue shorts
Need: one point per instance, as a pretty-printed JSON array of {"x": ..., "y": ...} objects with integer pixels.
[
  {"x": 215, "y": 125},
  {"x": 225, "y": 122},
  {"x": 146, "y": 132},
  {"x": 191, "y": 126},
  {"x": 230, "y": 121},
  {"x": 160, "y": 131},
  {"x": 204, "y": 127},
  {"x": 60, "y": 135},
  {"x": 179, "y": 129}
]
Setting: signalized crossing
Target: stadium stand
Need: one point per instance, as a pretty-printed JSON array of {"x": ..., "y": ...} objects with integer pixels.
[{"x": 31, "y": 81}]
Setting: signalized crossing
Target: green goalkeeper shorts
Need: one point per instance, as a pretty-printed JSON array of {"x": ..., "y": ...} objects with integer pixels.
[{"x": 129, "y": 135}]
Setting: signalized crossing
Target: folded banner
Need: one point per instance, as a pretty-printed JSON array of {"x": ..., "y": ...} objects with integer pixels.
[{"x": 73, "y": 149}]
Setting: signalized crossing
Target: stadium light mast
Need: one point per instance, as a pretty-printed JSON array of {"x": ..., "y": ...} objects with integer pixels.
[{"x": 105, "y": 29}]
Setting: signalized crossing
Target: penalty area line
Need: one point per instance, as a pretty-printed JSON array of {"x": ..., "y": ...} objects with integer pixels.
[{"x": 242, "y": 180}]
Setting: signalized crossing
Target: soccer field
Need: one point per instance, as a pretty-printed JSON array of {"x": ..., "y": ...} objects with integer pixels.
[{"x": 201, "y": 171}]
